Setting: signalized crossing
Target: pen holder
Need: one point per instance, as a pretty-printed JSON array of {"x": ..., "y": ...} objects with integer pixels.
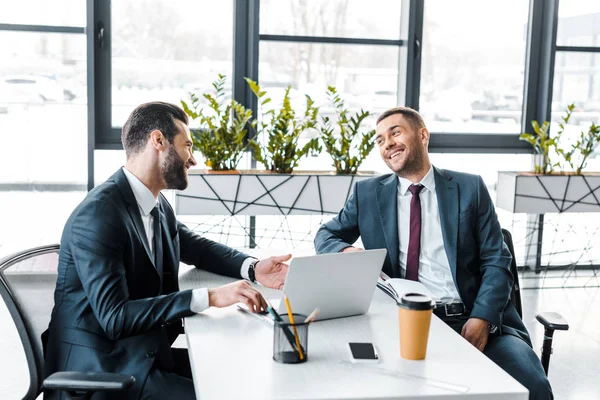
[{"x": 287, "y": 337}]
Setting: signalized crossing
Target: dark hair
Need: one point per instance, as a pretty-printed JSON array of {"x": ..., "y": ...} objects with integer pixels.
[
  {"x": 147, "y": 118},
  {"x": 412, "y": 116}
]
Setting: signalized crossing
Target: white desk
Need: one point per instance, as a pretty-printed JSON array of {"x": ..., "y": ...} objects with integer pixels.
[{"x": 231, "y": 356}]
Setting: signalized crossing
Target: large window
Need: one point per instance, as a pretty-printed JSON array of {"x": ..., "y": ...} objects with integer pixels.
[
  {"x": 577, "y": 70},
  {"x": 162, "y": 50},
  {"x": 463, "y": 63},
  {"x": 43, "y": 105},
  {"x": 43, "y": 120},
  {"x": 356, "y": 46},
  {"x": 473, "y": 60},
  {"x": 577, "y": 66}
]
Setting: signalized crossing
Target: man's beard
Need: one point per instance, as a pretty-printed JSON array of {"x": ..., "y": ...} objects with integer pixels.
[
  {"x": 413, "y": 163},
  {"x": 173, "y": 170}
]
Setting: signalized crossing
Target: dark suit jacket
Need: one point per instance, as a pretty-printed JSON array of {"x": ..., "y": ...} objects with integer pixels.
[
  {"x": 111, "y": 312},
  {"x": 478, "y": 258}
]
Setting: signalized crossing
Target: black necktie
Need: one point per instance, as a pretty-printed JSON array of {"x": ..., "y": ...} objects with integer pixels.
[
  {"x": 158, "y": 250},
  {"x": 164, "y": 356}
]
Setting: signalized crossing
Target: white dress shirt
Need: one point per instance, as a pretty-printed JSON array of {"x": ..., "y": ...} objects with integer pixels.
[
  {"x": 434, "y": 269},
  {"x": 146, "y": 202}
]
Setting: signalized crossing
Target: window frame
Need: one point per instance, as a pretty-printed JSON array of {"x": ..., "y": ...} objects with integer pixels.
[{"x": 537, "y": 93}]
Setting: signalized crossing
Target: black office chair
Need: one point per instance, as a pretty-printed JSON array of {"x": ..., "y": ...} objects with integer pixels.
[
  {"x": 27, "y": 281},
  {"x": 551, "y": 320}
]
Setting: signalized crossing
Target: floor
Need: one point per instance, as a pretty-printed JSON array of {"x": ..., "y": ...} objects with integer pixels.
[{"x": 574, "y": 367}]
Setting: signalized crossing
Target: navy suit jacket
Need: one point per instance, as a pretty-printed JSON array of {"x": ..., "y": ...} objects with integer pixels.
[
  {"x": 478, "y": 258},
  {"x": 113, "y": 311}
]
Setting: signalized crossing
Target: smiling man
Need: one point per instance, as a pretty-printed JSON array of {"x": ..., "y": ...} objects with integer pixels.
[
  {"x": 439, "y": 228},
  {"x": 118, "y": 307}
]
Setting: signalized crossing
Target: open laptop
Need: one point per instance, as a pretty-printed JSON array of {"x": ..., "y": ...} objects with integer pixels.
[{"x": 339, "y": 284}]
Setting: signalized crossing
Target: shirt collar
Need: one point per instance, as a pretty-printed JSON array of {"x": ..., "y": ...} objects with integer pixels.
[
  {"x": 144, "y": 197},
  {"x": 428, "y": 182}
]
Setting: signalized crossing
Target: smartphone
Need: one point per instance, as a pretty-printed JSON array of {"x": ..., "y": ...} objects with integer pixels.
[{"x": 363, "y": 352}]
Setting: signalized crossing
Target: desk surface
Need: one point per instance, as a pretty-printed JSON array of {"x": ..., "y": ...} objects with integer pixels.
[{"x": 231, "y": 356}]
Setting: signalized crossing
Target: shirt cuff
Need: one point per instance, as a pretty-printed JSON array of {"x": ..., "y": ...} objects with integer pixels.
[
  {"x": 245, "y": 266},
  {"x": 199, "y": 301}
]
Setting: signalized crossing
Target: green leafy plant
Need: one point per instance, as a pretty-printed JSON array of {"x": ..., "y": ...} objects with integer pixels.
[
  {"x": 566, "y": 155},
  {"x": 223, "y": 129},
  {"x": 585, "y": 145},
  {"x": 281, "y": 153},
  {"x": 542, "y": 143},
  {"x": 577, "y": 154},
  {"x": 348, "y": 147}
]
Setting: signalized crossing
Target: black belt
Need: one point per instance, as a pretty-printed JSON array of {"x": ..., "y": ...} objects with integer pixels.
[{"x": 443, "y": 310}]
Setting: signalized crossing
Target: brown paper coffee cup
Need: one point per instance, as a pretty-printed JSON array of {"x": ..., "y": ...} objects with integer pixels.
[{"x": 414, "y": 314}]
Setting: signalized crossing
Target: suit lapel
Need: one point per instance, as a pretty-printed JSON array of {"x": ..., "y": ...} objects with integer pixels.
[
  {"x": 447, "y": 195},
  {"x": 133, "y": 209},
  {"x": 387, "y": 205}
]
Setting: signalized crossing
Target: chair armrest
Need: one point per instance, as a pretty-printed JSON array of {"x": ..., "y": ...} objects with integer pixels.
[
  {"x": 88, "y": 381},
  {"x": 552, "y": 320}
]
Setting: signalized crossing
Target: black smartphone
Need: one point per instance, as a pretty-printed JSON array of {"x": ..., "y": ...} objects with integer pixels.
[{"x": 363, "y": 352}]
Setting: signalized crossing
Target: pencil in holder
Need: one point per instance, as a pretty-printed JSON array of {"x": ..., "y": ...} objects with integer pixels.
[{"x": 290, "y": 341}]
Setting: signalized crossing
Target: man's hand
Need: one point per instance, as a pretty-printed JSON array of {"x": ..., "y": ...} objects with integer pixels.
[
  {"x": 352, "y": 248},
  {"x": 271, "y": 272},
  {"x": 476, "y": 332},
  {"x": 236, "y": 292}
]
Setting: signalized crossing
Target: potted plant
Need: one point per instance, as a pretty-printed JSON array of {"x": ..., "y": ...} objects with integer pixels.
[
  {"x": 223, "y": 128},
  {"x": 279, "y": 190},
  {"x": 346, "y": 147},
  {"x": 283, "y": 127},
  {"x": 558, "y": 183}
]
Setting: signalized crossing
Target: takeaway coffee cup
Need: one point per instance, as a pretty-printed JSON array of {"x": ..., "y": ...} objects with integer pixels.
[{"x": 414, "y": 312}]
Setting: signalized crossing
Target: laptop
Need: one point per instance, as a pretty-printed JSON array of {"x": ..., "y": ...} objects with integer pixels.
[{"x": 339, "y": 284}]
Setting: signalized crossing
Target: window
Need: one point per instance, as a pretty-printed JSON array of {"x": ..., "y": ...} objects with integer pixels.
[
  {"x": 579, "y": 23},
  {"x": 365, "y": 76},
  {"x": 43, "y": 118},
  {"x": 577, "y": 65},
  {"x": 473, "y": 61},
  {"x": 43, "y": 12},
  {"x": 43, "y": 98},
  {"x": 377, "y": 19},
  {"x": 161, "y": 51},
  {"x": 357, "y": 47}
]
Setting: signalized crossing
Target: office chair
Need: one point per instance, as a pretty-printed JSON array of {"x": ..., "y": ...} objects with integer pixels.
[
  {"x": 551, "y": 320},
  {"x": 27, "y": 281}
]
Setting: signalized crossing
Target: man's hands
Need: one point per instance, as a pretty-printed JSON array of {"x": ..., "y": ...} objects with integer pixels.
[
  {"x": 352, "y": 248},
  {"x": 271, "y": 272},
  {"x": 235, "y": 292},
  {"x": 476, "y": 332}
]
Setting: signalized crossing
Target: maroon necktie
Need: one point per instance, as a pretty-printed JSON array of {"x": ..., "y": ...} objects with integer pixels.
[{"x": 414, "y": 241}]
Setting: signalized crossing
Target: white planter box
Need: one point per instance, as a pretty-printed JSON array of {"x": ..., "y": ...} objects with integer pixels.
[
  {"x": 525, "y": 192},
  {"x": 256, "y": 193}
]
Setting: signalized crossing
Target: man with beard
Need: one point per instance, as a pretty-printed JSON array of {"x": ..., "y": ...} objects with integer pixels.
[
  {"x": 439, "y": 228},
  {"x": 118, "y": 307}
]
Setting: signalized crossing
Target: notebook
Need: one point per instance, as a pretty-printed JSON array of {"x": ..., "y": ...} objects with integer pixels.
[{"x": 396, "y": 287}]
